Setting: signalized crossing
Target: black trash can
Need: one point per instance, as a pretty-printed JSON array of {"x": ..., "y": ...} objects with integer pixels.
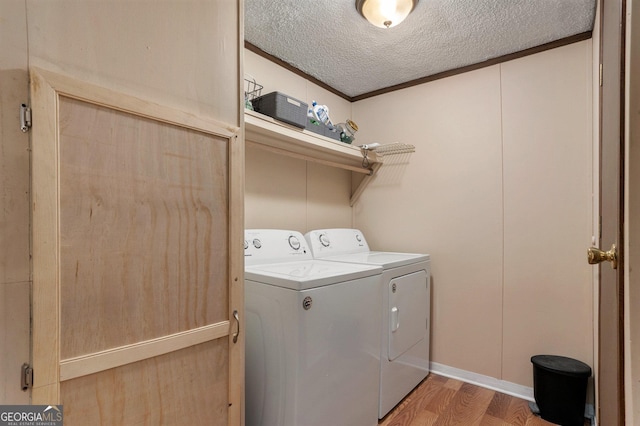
[{"x": 560, "y": 388}]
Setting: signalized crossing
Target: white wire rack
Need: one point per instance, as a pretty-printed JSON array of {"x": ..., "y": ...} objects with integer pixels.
[
  {"x": 252, "y": 90},
  {"x": 395, "y": 148},
  {"x": 384, "y": 150}
]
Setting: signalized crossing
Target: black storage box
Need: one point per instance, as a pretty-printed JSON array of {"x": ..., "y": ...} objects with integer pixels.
[
  {"x": 283, "y": 108},
  {"x": 560, "y": 388}
]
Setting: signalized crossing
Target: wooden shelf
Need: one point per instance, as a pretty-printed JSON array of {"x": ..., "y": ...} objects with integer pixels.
[{"x": 267, "y": 133}]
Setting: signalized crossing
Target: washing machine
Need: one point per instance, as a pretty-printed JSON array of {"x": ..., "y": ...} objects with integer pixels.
[
  {"x": 312, "y": 342},
  {"x": 405, "y": 308}
]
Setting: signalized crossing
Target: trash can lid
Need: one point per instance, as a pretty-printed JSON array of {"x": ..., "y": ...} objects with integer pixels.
[{"x": 562, "y": 365}]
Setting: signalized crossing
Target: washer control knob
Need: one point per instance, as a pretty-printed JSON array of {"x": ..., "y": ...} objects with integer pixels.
[
  {"x": 324, "y": 240},
  {"x": 358, "y": 238},
  {"x": 246, "y": 244},
  {"x": 294, "y": 242},
  {"x": 257, "y": 243}
]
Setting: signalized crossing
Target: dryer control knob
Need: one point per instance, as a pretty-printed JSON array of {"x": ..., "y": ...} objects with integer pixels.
[
  {"x": 294, "y": 242},
  {"x": 257, "y": 243},
  {"x": 246, "y": 244},
  {"x": 324, "y": 240},
  {"x": 358, "y": 238}
]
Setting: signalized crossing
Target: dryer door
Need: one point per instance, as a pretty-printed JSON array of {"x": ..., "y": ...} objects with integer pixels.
[{"x": 408, "y": 312}]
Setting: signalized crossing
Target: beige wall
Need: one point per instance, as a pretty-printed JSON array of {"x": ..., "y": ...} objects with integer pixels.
[
  {"x": 178, "y": 53},
  {"x": 499, "y": 193},
  {"x": 547, "y": 157},
  {"x": 15, "y": 272},
  {"x": 286, "y": 193},
  {"x": 448, "y": 203}
]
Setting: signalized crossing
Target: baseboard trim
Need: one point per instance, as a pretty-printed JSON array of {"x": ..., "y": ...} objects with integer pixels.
[
  {"x": 488, "y": 382},
  {"x": 513, "y": 389}
]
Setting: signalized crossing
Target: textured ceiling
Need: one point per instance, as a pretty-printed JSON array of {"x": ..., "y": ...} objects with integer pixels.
[{"x": 330, "y": 41}]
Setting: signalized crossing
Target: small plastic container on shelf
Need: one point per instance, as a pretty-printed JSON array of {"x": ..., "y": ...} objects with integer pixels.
[
  {"x": 347, "y": 131},
  {"x": 320, "y": 113}
]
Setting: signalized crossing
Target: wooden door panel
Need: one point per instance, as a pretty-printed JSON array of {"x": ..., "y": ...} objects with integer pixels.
[
  {"x": 179, "y": 388},
  {"x": 143, "y": 228},
  {"x": 137, "y": 269}
]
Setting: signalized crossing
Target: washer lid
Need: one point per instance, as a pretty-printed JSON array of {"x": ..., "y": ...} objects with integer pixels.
[
  {"x": 386, "y": 259},
  {"x": 308, "y": 274}
]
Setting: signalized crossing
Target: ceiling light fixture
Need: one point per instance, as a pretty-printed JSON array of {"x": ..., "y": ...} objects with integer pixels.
[{"x": 385, "y": 13}]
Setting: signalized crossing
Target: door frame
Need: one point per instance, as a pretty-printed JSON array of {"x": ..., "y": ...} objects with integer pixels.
[
  {"x": 632, "y": 213},
  {"x": 46, "y": 89},
  {"x": 610, "y": 293}
]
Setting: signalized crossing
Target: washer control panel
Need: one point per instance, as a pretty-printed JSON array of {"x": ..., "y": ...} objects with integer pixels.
[
  {"x": 274, "y": 245},
  {"x": 331, "y": 242}
]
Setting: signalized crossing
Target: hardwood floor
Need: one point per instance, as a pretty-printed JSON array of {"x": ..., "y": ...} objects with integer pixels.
[{"x": 439, "y": 401}]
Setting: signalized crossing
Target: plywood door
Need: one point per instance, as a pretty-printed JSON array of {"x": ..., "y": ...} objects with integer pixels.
[{"x": 135, "y": 278}]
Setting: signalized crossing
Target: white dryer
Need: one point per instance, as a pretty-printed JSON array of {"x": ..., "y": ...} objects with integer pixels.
[
  {"x": 406, "y": 296},
  {"x": 312, "y": 343}
]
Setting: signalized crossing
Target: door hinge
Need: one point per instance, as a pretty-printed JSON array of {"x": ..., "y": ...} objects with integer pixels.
[
  {"x": 599, "y": 227},
  {"x": 600, "y": 75},
  {"x": 25, "y": 118},
  {"x": 26, "y": 377}
]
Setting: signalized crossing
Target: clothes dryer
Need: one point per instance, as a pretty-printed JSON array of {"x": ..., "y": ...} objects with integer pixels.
[
  {"x": 312, "y": 343},
  {"x": 405, "y": 308}
]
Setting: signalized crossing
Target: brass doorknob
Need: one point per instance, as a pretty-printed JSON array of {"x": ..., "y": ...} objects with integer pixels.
[{"x": 595, "y": 256}]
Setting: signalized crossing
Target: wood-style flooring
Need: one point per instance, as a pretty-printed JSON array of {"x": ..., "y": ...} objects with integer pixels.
[{"x": 439, "y": 401}]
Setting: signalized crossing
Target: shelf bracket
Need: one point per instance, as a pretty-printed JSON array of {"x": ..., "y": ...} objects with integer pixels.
[{"x": 365, "y": 181}]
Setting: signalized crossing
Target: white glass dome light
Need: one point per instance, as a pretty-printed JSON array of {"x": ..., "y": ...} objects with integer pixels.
[{"x": 385, "y": 13}]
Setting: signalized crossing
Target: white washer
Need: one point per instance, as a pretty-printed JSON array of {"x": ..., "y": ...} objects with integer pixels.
[
  {"x": 312, "y": 344},
  {"x": 406, "y": 296}
]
